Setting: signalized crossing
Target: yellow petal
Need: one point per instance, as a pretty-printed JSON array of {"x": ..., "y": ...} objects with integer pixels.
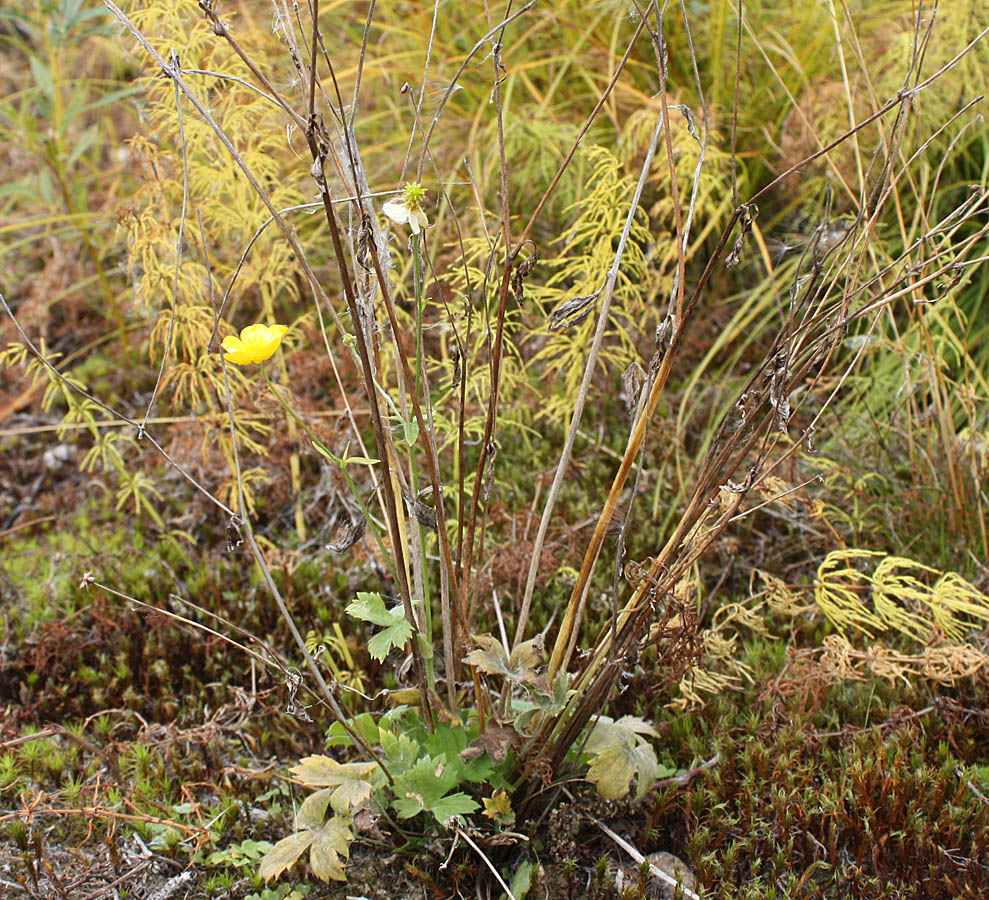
[
  {"x": 269, "y": 337},
  {"x": 253, "y": 335},
  {"x": 235, "y": 350},
  {"x": 241, "y": 357}
]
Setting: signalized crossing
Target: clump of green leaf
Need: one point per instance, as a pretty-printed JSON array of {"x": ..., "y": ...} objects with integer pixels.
[
  {"x": 426, "y": 770},
  {"x": 395, "y": 628},
  {"x": 427, "y": 767},
  {"x": 281, "y": 892},
  {"x": 239, "y": 855}
]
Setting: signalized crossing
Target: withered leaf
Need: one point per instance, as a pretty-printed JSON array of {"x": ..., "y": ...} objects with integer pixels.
[
  {"x": 749, "y": 213},
  {"x": 366, "y": 822},
  {"x": 521, "y": 272},
  {"x": 490, "y": 657},
  {"x": 424, "y": 514},
  {"x": 458, "y": 374},
  {"x": 573, "y": 312},
  {"x": 498, "y": 738},
  {"x": 632, "y": 380},
  {"x": 349, "y": 535}
]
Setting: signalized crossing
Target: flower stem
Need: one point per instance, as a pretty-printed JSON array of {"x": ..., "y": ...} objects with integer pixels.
[{"x": 417, "y": 287}]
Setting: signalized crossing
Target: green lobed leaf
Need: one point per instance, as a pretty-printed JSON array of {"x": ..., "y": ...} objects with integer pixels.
[
  {"x": 394, "y": 636},
  {"x": 522, "y": 880},
  {"x": 399, "y": 748},
  {"x": 450, "y": 741},
  {"x": 396, "y": 629},
  {"x": 424, "y": 786},
  {"x": 370, "y": 607},
  {"x": 452, "y": 806},
  {"x": 363, "y": 724}
]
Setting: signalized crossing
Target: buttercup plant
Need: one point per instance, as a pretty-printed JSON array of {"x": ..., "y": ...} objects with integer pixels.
[{"x": 479, "y": 719}]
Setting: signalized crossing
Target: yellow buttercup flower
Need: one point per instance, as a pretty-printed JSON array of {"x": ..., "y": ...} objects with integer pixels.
[{"x": 255, "y": 344}]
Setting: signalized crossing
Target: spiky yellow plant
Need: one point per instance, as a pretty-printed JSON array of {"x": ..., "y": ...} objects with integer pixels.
[
  {"x": 577, "y": 275},
  {"x": 185, "y": 162},
  {"x": 868, "y": 592},
  {"x": 898, "y": 595}
]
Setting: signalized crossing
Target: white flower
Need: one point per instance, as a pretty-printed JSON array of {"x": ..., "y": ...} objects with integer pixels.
[{"x": 407, "y": 209}]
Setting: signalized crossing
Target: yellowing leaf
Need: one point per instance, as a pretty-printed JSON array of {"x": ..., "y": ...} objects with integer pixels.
[
  {"x": 350, "y": 795},
  {"x": 612, "y": 771},
  {"x": 608, "y": 731},
  {"x": 346, "y": 787},
  {"x": 312, "y": 812},
  {"x": 403, "y": 697},
  {"x": 499, "y": 808},
  {"x": 323, "y": 771},
  {"x": 529, "y": 654},
  {"x": 620, "y": 752},
  {"x": 285, "y": 853},
  {"x": 330, "y": 844}
]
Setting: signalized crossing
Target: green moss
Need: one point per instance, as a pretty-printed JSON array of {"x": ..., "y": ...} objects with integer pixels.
[{"x": 873, "y": 808}]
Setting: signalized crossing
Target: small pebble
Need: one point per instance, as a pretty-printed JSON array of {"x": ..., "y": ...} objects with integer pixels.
[
  {"x": 55, "y": 456},
  {"x": 675, "y": 868}
]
